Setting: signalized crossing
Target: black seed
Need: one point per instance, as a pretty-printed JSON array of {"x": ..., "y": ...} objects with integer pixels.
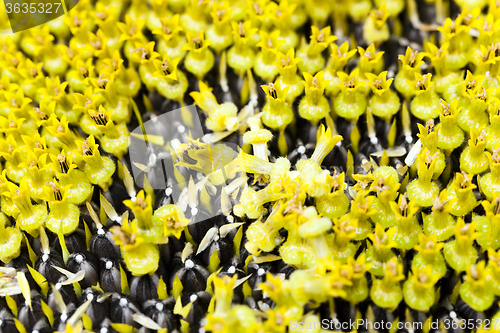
[
  {"x": 192, "y": 275},
  {"x": 122, "y": 308},
  {"x": 102, "y": 246},
  {"x": 44, "y": 265},
  {"x": 110, "y": 277},
  {"x": 143, "y": 288},
  {"x": 7, "y": 323},
  {"x": 224, "y": 248},
  {"x": 98, "y": 309},
  {"x": 84, "y": 261},
  {"x": 30, "y": 316},
  {"x": 68, "y": 296},
  {"x": 201, "y": 301},
  {"x": 75, "y": 242},
  {"x": 105, "y": 327},
  {"x": 161, "y": 311},
  {"x": 42, "y": 326}
]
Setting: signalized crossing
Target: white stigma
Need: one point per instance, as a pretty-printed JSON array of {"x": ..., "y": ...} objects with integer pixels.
[
  {"x": 194, "y": 211},
  {"x": 152, "y": 159},
  {"x": 109, "y": 264},
  {"x": 175, "y": 144},
  {"x": 261, "y": 272},
  {"x": 231, "y": 270},
  {"x": 79, "y": 258},
  {"x": 181, "y": 128},
  {"x": 264, "y": 306},
  {"x": 101, "y": 232},
  {"x": 123, "y": 302},
  {"x": 301, "y": 150},
  {"x": 189, "y": 264},
  {"x": 168, "y": 191},
  {"x": 90, "y": 297},
  {"x": 45, "y": 257},
  {"x": 193, "y": 298},
  {"x": 159, "y": 306}
]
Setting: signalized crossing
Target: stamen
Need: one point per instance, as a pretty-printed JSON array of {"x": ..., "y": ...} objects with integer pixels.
[
  {"x": 165, "y": 68},
  {"x": 446, "y": 108},
  {"x": 76, "y": 21},
  {"x": 466, "y": 180},
  {"x": 403, "y": 206},
  {"x": 321, "y": 37},
  {"x": 272, "y": 91},
  {"x": 132, "y": 30},
  {"x": 86, "y": 149},
  {"x": 101, "y": 82},
  {"x": 351, "y": 84},
  {"x": 258, "y": 9},
  {"x": 63, "y": 163},
  {"x": 285, "y": 62},
  {"x": 422, "y": 277},
  {"x": 241, "y": 31},
  {"x": 101, "y": 16},
  {"x": 473, "y": 272},
  {"x": 430, "y": 125},
  {"x": 413, "y": 58},
  {"x": 140, "y": 201},
  {"x": 57, "y": 192},
  {"x": 220, "y": 14},
  {"x": 197, "y": 42}
]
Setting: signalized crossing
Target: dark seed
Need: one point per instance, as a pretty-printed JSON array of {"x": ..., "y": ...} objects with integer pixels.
[
  {"x": 44, "y": 265},
  {"x": 68, "y": 295},
  {"x": 192, "y": 275},
  {"x": 29, "y": 316},
  {"x": 102, "y": 246},
  {"x": 161, "y": 311},
  {"x": 98, "y": 309},
  {"x": 110, "y": 277},
  {"x": 121, "y": 310},
  {"x": 87, "y": 262},
  {"x": 7, "y": 323}
]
